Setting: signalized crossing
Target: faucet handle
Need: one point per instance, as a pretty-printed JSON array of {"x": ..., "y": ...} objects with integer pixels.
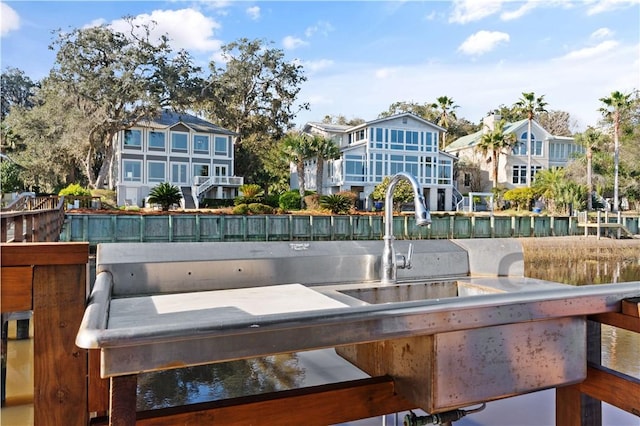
[{"x": 404, "y": 262}]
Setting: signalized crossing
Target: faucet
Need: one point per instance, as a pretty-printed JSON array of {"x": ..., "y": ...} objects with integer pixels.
[{"x": 390, "y": 263}]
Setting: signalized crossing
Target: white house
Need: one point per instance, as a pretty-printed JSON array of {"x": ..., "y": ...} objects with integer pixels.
[
  {"x": 384, "y": 147},
  {"x": 179, "y": 148},
  {"x": 547, "y": 151}
]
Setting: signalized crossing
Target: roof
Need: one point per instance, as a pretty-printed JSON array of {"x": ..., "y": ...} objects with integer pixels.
[
  {"x": 472, "y": 140},
  {"x": 340, "y": 128},
  {"x": 169, "y": 118},
  {"x": 404, "y": 114},
  {"x": 327, "y": 127}
]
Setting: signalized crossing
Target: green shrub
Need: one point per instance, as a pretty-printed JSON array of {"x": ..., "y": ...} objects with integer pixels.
[
  {"x": 336, "y": 203},
  {"x": 251, "y": 193},
  {"x": 215, "y": 203},
  {"x": 76, "y": 190},
  {"x": 241, "y": 209},
  {"x": 290, "y": 200},
  {"x": 165, "y": 194},
  {"x": 272, "y": 200},
  {"x": 521, "y": 197},
  {"x": 259, "y": 208}
]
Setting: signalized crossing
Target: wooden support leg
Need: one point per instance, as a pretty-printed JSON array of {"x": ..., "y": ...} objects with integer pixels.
[{"x": 122, "y": 401}]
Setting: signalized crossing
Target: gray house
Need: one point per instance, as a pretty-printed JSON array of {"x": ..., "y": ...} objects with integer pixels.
[
  {"x": 187, "y": 151},
  {"x": 384, "y": 147}
]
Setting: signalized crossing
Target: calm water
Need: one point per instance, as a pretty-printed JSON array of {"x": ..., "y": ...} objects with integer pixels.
[{"x": 621, "y": 351}]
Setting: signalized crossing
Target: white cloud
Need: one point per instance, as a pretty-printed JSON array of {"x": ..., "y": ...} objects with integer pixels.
[
  {"x": 589, "y": 52},
  {"x": 483, "y": 42},
  {"x": 291, "y": 42},
  {"x": 321, "y": 27},
  {"x": 186, "y": 28},
  {"x": 315, "y": 66},
  {"x": 354, "y": 90},
  {"x": 601, "y": 6},
  {"x": 465, "y": 11},
  {"x": 601, "y": 33},
  {"x": 520, "y": 12},
  {"x": 9, "y": 20},
  {"x": 253, "y": 12}
]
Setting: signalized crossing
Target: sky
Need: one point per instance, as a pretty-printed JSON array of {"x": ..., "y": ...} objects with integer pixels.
[{"x": 359, "y": 57}]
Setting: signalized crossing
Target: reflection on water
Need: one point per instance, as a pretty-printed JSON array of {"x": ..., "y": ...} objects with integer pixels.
[
  {"x": 620, "y": 348},
  {"x": 218, "y": 381}
]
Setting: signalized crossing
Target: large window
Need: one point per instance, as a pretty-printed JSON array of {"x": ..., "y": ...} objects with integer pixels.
[
  {"x": 156, "y": 141},
  {"x": 201, "y": 144},
  {"x": 519, "y": 174},
  {"x": 413, "y": 140},
  {"x": 521, "y": 146},
  {"x": 220, "y": 171},
  {"x": 156, "y": 171},
  {"x": 132, "y": 170},
  {"x": 397, "y": 139},
  {"x": 179, "y": 142},
  {"x": 179, "y": 173},
  {"x": 221, "y": 145},
  {"x": 354, "y": 168},
  {"x": 201, "y": 170},
  {"x": 396, "y": 164},
  {"x": 133, "y": 139},
  {"x": 445, "y": 171}
]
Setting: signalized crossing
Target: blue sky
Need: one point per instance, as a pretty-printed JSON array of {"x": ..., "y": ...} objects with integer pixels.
[{"x": 361, "y": 56}]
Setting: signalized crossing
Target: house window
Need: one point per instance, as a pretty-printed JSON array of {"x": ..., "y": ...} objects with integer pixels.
[
  {"x": 221, "y": 145},
  {"x": 411, "y": 165},
  {"x": 467, "y": 179},
  {"x": 354, "y": 168},
  {"x": 519, "y": 174},
  {"x": 156, "y": 140},
  {"x": 444, "y": 171},
  {"x": 156, "y": 171},
  {"x": 201, "y": 170},
  {"x": 396, "y": 164},
  {"x": 179, "y": 142},
  {"x": 429, "y": 143},
  {"x": 359, "y": 135},
  {"x": 428, "y": 169},
  {"x": 413, "y": 141},
  {"x": 220, "y": 171},
  {"x": 201, "y": 144},
  {"x": 132, "y": 170},
  {"x": 179, "y": 173},
  {"x": 397, "y": 139},
  {"x": 520, "y": 148},
  {"x": 379, "y": 138},
  {"x": 133, "y": 139}
]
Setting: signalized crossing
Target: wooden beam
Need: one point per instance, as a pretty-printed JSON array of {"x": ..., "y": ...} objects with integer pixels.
[
  {"x": 619, "y": 320},
  {"x": 317, "y": 405},
  {"x": 612, "y": 387},
  {"x": 631, "y": 307},
  {"x": 44, "y": 254},
  {"x": 15, "y": 288},
  {"x": 60, "y": 368}
]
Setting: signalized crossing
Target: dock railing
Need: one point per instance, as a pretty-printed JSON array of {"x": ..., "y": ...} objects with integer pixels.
[{"x": 32, "y": 219}]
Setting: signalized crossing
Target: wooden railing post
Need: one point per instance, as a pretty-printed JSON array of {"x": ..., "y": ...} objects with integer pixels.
[{"x": 55, "y": 281}]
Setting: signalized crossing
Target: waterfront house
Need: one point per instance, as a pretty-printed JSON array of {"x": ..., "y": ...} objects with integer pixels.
[
  {"x": 547, "y": 151},
  {"x": 189, "y": 152},
  {"x": 383, "y": 147}
]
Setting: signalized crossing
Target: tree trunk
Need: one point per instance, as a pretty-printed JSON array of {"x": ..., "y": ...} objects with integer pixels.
[
  {"x": 105, "y": 168},
  {"x": 300, "y": 169},
  {"x": 319, "y": 175}
]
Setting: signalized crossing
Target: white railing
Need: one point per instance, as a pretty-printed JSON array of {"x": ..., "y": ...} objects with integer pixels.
[{"x": 202, "y": 184}]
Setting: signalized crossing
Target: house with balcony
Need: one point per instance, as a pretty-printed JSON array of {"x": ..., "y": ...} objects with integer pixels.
[
  {"x": 187, "y": 151},
  {"x": 547, "y": 151},
  {"x": 383, "y": 147}
]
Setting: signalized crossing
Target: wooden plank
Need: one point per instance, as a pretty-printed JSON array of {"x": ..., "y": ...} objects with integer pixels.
[
  {"x": 44, "y": 254},
  {"x": 613, "y": 388},
  {"x": 631, "y": 307},
  {"x": 98, "y": 387},
  {"x": 15, "y": 288},
  {"x": 318, "y": 405},
  {"x": 60, "y": 368},
  {"x": 568, "y": 406},
  {"x": 122, "y": 401},
  {"x": 616, "y": 319}
]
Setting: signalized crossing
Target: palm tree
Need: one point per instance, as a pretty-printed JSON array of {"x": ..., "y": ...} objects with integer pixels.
[
  {"x": 324, "y": 149},
  {"x": 615, "y": 107},
  {"x": 447, "y": 107},
  {"x": 165, "y": 194},
  {"x": 591, "y": 140},
  {"x": 530, "y": 105},
  {"x": 297, "y": 147},
  {"x": 495, "y": 143}
]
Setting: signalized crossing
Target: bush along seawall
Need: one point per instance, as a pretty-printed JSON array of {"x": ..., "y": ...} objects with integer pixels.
[{"x": 98, "y": 228}]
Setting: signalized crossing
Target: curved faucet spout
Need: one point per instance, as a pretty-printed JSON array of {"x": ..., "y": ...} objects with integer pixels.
[{"x": 389, "y": 263}]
